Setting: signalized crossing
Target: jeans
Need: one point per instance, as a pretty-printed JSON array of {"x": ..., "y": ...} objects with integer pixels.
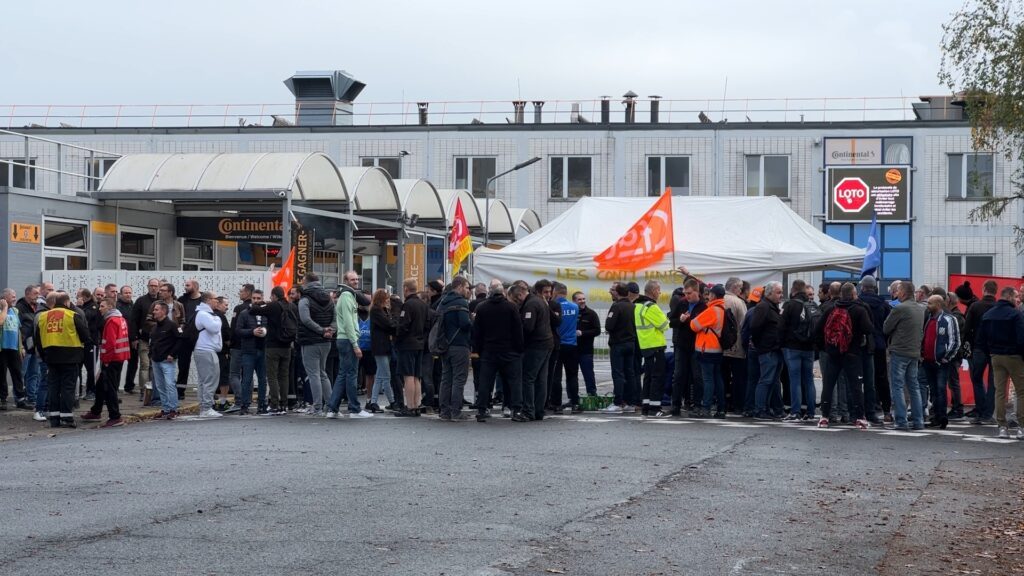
[
  {"x": 984, "y": 400},
  {"x": 382, "y": 380},
  {"x": 252, "y": 360},
  {"x": 801, "y": 380},
  {"x": 623, "y": 377},
  {"x": 30, "y": 373},
  {"x": 454, "y": 374},
  {"x": 279, "y": 362},
  {"x": 769, "y": 365},
  {"x": 163, "y": 380},
  {"x": 937, "y": 376},
  {"x": 535, "y": 381},
  {"x": 711, "y": 373},
  {"x": 208, "y": 373},
  {"x": 903, "y": 374},
  {"x": 348, "y": 367},
  {"x": 849, "y": 365},
  {"x": 509, "y": 365},
  {"x": 587, "y": 369},
  {"x": 43, "y": 390},
  {"x": 106, "y": 390},
  {"x": 314, "y": 359}
]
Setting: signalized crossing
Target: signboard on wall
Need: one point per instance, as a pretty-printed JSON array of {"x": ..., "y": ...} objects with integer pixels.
[
  {"x": 853, "y": 194},
  {"x": 230, "y": 228},
  {"x": 414, "y": 263},
  {"x": 853, "y": 151},
  {"x": 303, "y": 251}
]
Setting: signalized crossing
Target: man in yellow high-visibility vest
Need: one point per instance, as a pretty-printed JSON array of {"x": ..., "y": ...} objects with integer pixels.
[
  {"x": 651, "y": 325},
  {"x": 62, "y": 335}
]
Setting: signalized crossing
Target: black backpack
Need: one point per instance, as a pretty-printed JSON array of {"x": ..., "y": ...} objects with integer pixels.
[
  {"x": 289, "y": 323},
  {"x": 730, "y": 331},
  {"x": 809, "y": 318},
  {"x": 437, "y": 344}
]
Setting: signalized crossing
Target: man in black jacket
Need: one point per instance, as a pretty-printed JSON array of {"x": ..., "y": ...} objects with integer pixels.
[
  {"x": 189, "y": 300},
  {"x": 798, "y": 323},
  {"x": 498, "y": 335},
  {"x": 686, "y": 380},
  {"x": 282, "y": 323},
  {"x": 251, "y": 331},
  {"x": 235, "y": 352},
  {"x": 164, "y": 346},
  {"x": 588, "y": 327},
  {"x": 766, "y": 338},
  {"x": 453, "y": 313},
  {"x": 984, "y": 399},
  {"x": 124, "y": 305},
  {"x": 139, "y": 337},
  {"x": 410, "y": 341},
  {"x": 621, "y": 327},
  {"x": 94, "y": 320},
  {"x": 537, "y": 346},
  {"x": 546, "y": 292},
  {"x": 1001, "y": 337},
  {"x": 28, "y": 307},
  {"x": 845, "y": 333},
  {"x": 879, "y": 308}
]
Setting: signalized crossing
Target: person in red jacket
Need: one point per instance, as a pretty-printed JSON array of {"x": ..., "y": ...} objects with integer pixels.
[{"x": 114, "y": 352}]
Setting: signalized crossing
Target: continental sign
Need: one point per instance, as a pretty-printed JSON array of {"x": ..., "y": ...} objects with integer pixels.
[{"x": 236, "y": 228}]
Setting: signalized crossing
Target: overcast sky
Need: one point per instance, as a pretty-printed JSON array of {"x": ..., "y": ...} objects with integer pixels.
[{"x": 214, "y": 51}]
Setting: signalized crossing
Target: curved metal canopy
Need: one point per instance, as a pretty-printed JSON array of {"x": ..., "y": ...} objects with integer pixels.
[
  {"x": 500, "y": 221},
  {"x": 525, "y": 218},
  {"x": 474, "y": 217},
  {"x": 419, "y": 197}
]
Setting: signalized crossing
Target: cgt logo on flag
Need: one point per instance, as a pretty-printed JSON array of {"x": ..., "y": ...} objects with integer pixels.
[
  {"x": 645, "y": 243},
  {"x": 459, "y": 243}
]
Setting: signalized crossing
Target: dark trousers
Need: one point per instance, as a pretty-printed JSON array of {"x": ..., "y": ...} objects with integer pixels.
[
  {"x": 397, "y": 385},
  {"x": 587, "y": 370},
  {"x": 106, "y": 390},
  {"x": 278, "y": 367},
  {"x": 131, "y": 369},
  {"x": 454, "y": 373},
  {"x": 753, "y": 376},
  {"x": 535, "y": 381},
  {"x": 554, "y": 377},
  {"x": 624, "y": 379},
  {"x": 956, "y": 399},
  {"x": 61, "y": 381},
  {"x": 868, "y": 376},
  {"x": 734, "y": 371},
  {"x": 654, "y": 376},
  {"x": 984, "y": 399},
  {"x": 685, "y": 375},
  {"x": 937, "y": 376},
  {"x": 882, "y": 392},
  {"x": 253, "y": 361},
  {"x": 10, "y": 362},
  {"x": 568, "y": 361},
  {"x": 184, "y": 364},
  {"x": 849, "y": 365},
  {"x": 509, "y": 365},
  {"x": 89, "y": 363},
  {"x": 296, "y": 379}
]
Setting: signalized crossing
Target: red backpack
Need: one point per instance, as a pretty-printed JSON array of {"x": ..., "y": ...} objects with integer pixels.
[{"x": 839, "y": 330}]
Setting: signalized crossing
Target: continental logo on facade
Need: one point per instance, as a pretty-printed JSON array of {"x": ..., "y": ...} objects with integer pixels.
[{"x": 228, "y": 226}]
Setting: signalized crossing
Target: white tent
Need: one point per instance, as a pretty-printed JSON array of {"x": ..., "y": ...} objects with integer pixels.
[{"x": 757, "y": 239}]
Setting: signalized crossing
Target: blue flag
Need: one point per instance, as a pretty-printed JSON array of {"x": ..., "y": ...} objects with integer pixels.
[{"x": 873, "y": 251}]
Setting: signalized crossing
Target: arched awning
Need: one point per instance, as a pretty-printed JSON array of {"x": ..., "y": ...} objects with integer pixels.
[
  {"x": 474, "y": 217},
  {"x": 525, "y": 219},
  {"x": 237, "y": 176},
  {"x": 419, "y": 197},
  {"x": 500, "y": 221},
  {"x": 371, "y": 188}
]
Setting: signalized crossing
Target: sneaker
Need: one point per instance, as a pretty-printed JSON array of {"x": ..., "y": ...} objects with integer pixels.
[
  {"x": 791, "y": 418},
  {"x": 629, "y": 409},
  {"x": 360, "y": 414},
  {"x": 483, "y": 417},
  {"x": 955, "y": 415},
  {"x": 901, "y": 428},
  {"x": 373, "y": 407},
  {"x": 1020, "y": 433},
  {"x": 887, "y": 418},
  {"x": 823, "y": 423},
  {"x": 519, "y": 417},
  {"x": 68, "y": 422},
  {"x": 89, "y": 397},
  {"x": 1003, "y": 432},
  {"x": 809, "y": 418},
  {"x": 612, "y": 409},
  {"x": 23, "y": 405},
  {"x": 90, "y": 416},
  {"x": 862, "y": 424},
  {"x": 391, "y": 407},
  {"x": 506, "y": 413},
  {"x": 39, "y": 417},
  {"x": 405, "y": 413},
  {"x": 972, "y": 414},
  {"x": 241, "y": 412},
  {"x": 577, "y": 409},
  {"x": 232, "y": 408},
  {"x": 113, "y": 423},
  {"x": 264, "y": 412},
  {"x": 763, "y": 417},
  {"x": 210, "y": 413},
  {"x": 332, "y": 415}
]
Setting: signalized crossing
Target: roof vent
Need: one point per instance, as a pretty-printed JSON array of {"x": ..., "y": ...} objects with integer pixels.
[{"x": 324, "y": 98}]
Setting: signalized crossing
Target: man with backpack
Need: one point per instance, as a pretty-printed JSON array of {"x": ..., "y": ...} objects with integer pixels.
[
  {"x": 282, "y": 326},
  {"x": 449, "y": 338},
  {"x": 716, "y": 332},
  {"x": 844, "y": 333},
  {"x": 799, "y": 317}
]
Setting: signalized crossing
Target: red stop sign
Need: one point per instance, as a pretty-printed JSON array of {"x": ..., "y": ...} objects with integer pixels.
[{"x": 851, "y": 195}]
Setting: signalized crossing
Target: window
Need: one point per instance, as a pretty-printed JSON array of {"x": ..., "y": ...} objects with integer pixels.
[
  {"x": 137, "y": 249},
  {"x": 97, "y": 168},
  {"x": 327, "y": 265},
  {"x": 257, "y": 256},
  {"x": 393, "y": 164},
  {"x": 65, "y": 245},
  {"x": 472, "y": 174},
  {"x": 571, "y": 176},
  {"x": 970, "y": 264},
  {"x": 896, "y": 249},
  {"x": 768, "y": 176},
  {"x": 668, "y": 172},
  {"x": 970, "y": 176},
  {"x": 14, "y": 176},
  {"x": 197, "y": 255}
]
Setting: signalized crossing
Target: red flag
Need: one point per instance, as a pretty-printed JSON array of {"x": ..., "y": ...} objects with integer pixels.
[
  {"x": 645, "y": 243},
  {"x": 459, "y": 243},
  {"x": 285, "y": 277}
]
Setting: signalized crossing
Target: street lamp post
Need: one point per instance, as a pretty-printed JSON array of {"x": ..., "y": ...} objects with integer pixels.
[{"x": 487, "y": 194}]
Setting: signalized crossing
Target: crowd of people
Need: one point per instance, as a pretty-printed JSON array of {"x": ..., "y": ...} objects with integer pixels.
[{"x": 735, "y": 350}]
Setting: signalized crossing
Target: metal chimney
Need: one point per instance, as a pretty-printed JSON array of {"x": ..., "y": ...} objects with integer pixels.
[
  {"x": 655, "y": 104},
  {"x": 324, "y": 98},
  {"x": 537, "y": 105},
  {"x": 606, "y": 110},
  {"x": 422, "y": 106},
  {"x": 630, "y": 102},
  {"x": 520, "y": 111}
]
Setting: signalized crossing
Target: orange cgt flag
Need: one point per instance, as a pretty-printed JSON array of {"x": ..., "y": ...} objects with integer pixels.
[
  {"x": 285, "y": 277},
  {"x": 645, "y": 243},
  {"x": 459, "y": 244}
]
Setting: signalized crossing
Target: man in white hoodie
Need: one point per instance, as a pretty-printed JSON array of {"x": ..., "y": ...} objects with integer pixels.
[{"x": 205, "y": 354}]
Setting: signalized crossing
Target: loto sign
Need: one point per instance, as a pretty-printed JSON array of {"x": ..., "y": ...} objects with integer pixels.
[{"x": 851, "y": 195}]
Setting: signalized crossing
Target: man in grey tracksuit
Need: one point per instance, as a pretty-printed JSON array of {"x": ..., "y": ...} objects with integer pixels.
[{"x": 207, "y": 348}]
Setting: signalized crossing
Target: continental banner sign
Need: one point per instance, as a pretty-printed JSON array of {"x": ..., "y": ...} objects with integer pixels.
[
  {"x": 231, "y": 228},
  {"x": 853, "y": 194}
]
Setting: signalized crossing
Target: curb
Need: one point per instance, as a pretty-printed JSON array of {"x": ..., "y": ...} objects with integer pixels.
[{"x": 154, "y": 413}]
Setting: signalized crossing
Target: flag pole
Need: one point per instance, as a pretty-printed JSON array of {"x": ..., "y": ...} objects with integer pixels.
[{"x": 672, "y": 230}]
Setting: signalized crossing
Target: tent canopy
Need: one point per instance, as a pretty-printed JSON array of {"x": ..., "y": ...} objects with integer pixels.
[{"x": 714, "y": 237}]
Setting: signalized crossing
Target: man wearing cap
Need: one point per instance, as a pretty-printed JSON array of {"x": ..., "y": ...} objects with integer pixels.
[{"x": 651, "y": 325}]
